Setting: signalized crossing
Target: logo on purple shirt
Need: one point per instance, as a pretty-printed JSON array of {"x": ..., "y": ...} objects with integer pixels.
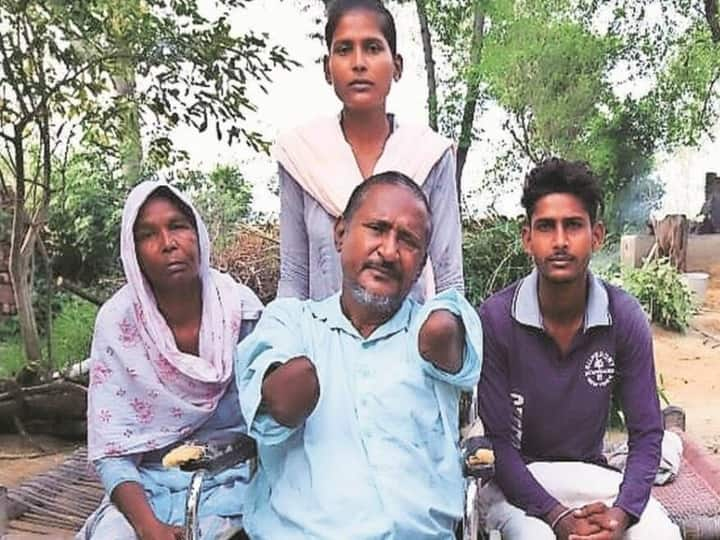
[
  {"x": 518, "y": 402},
  {"x": 599, "y": 369}
]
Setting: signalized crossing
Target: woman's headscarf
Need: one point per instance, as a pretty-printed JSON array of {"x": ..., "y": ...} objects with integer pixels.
[{"x": 144, "y": 392}]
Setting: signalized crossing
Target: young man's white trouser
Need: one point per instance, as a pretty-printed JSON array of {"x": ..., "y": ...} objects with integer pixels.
[{"x": 574, "y": 484}]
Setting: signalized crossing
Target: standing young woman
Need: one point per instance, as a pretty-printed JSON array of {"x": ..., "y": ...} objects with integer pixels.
[{"x": 321, "y": 162}]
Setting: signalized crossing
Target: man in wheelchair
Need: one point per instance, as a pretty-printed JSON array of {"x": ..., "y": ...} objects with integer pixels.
[{"x": 353, "y": 400}]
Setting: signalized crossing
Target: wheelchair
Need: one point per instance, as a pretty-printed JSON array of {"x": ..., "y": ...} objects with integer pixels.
[
  {"x": 472, "y": 526},
  {"x": 219, "y": 455}
]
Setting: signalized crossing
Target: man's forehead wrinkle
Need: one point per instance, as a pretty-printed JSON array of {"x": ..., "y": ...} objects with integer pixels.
[
  {"x": 404, "y": 223},
  {"x": 389, "y": 216},
  {"x": 379, "y": 204}
]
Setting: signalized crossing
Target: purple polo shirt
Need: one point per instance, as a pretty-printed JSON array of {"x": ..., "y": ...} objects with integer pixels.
[{"x": 540, "y": 406}]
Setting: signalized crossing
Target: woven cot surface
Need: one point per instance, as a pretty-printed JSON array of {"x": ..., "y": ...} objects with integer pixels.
[
  {"x": 688, "y": 496},
  {"x": 54, "y": 503}
]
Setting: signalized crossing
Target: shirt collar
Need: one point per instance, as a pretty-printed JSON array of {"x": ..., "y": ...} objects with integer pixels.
[
  {"x": 330, "y": 311},
  {"x": 525, "y": 307}
]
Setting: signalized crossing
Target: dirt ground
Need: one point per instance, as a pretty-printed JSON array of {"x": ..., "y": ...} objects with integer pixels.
[
  {"x": 19, "y": 459},
  {"x": 689, "y": 368}
]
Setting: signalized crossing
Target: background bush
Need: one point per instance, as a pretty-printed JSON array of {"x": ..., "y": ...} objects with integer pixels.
[
  {"x": 493, "y": 255},
  {"x": 223, "y": 197},
  {"x": 660, "y": 290},
  {"x": 84, "y": 220},
  {"x": 72, "y": 331}
]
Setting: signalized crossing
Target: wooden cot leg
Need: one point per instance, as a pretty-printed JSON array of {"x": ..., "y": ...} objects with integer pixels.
[
  {"x": 673, "y": 418},
  {"x": 3, "y": 511}
]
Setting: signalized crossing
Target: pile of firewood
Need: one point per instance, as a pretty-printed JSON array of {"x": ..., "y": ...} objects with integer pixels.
[
  {"x": 56, "y": 408},
  {"x": 253, "y": 259}
]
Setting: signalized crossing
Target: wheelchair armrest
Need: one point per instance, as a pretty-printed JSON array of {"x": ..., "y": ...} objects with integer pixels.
[
  {"x": 477, "y": 454},
  {"x": 223, "y": 453}
]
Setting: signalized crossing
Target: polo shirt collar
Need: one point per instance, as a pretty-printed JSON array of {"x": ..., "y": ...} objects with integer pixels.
[
  {"x": 330, "y": 311},
  {"x": 525, "y": 307}
]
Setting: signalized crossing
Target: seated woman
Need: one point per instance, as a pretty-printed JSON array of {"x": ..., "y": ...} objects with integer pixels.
[{"x": 162, "y": 373}]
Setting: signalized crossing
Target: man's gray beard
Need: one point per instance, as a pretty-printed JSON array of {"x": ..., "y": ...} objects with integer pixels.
[{"x": 385, "y": 305}]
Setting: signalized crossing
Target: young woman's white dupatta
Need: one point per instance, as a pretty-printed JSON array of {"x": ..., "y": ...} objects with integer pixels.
[{"x": 320, "y": 159}]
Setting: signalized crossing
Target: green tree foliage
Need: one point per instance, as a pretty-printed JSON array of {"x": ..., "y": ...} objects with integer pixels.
[
  {"x": 459, "y": 28},
  {"x": 72, "y": 332},
  {"x": 689, "y": 89},
  {"x": 672, "y": 47},
  {"x": 607, "y": 81},
  {"x": 69, "y": 68},
  {"x": 191, "y": 70},
  {"x": 84, "y": 221},
  {"x": 493, "y": 255},
  {"x": 223, "y": 198},
  {"x": 552, "y": 75}
]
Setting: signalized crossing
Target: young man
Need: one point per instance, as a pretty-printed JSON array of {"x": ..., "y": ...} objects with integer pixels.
[
  {"x": 556, "y": 345},
  {"x": 354, "y": 399}
]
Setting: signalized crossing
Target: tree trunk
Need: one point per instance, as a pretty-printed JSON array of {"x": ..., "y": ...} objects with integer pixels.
[
  {"x": 19, "y": 270},
  {"x": 471, "y": 93},
  {"x": 40, "y": 218},
  {"x": 429, "y": 64},
  {"x": 22, "y": 243},
  {"x": 713, "y": 19},
  {"x": 131, "y": 155},
  {"x": 48, "y": 305}
]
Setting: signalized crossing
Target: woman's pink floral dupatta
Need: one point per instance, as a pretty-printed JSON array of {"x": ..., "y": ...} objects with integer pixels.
[{"x": 144, "y": 392}]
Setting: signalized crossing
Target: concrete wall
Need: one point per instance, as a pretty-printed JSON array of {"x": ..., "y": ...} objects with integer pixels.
[{"x": 703, "y": 250}]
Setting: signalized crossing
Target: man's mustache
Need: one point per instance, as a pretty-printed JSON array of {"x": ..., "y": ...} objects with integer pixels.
[
  {"x": 385, "y": 267},
  {"x": 561, "y": 256}
]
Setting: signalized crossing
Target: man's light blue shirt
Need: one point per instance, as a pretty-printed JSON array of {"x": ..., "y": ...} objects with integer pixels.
[{"x": 378, "y": 458}]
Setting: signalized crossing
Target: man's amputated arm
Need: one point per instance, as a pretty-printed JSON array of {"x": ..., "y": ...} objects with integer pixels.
[
  {"x": 277, "y": 382},
  {"x": 290, "y": 391},
  {"x": 448, "y": 336},
  {"x": 441, "y": 340}
]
